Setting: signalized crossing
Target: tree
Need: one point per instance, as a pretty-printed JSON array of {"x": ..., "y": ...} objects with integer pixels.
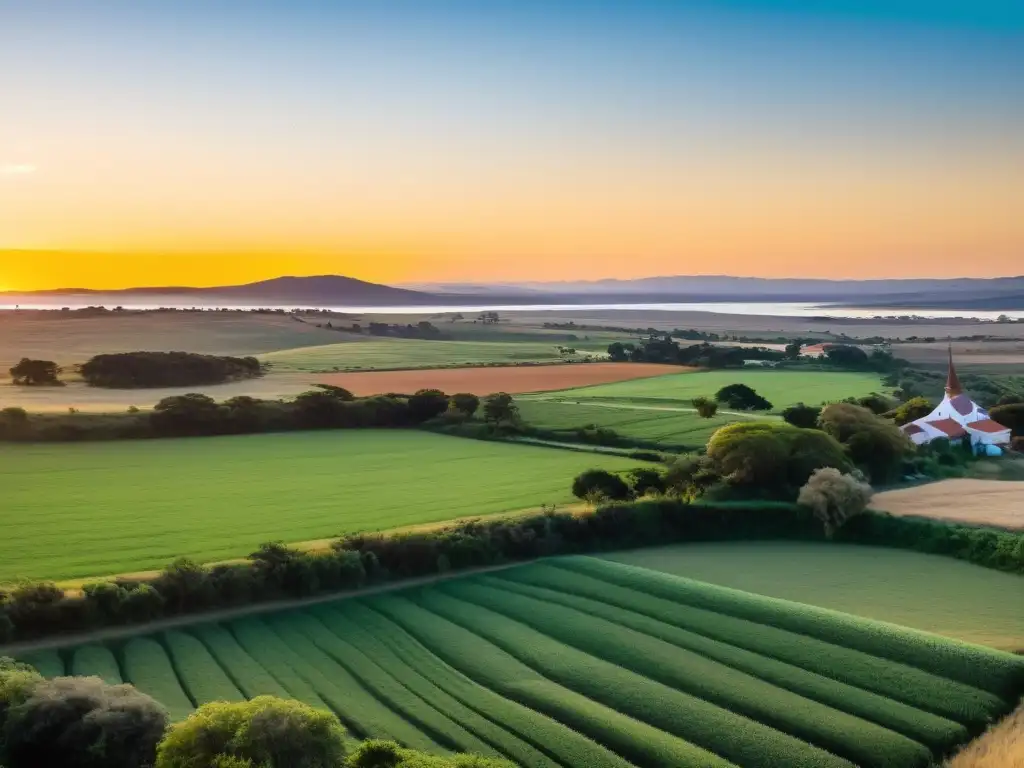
[
  {"x": 873, "y": 443},
  {"x": 1010, "y": 398},
  {"x": 619, "y": 352},
  {"x": 1011, "y": 416},
  {"x": 742, "y": 398},
  {"x": 803, "y": 416},
  {"x": 83, "y": 722},
  {"x": 500, "y": 408},
  {"x": 706, "y": 407},
  {"x": 644, "y": 480},
  {"x": 915, "y": 408},
  {"x": 338, "y": 393},
  {"x": 426, "y": 404},
  {"x": 35, "y": 373},
  {"x": 184, "y": 584},
  {"x": 266, "y": 731},
  {"x": 875, "y": 403},
  {"x": 835, "y": 497},
  {"x": 189, "y": 414},
  {"x": 17, "y": 680},
  {"x": 600, "y": 482},
  {"x": 793, "y": 350},
  {"x": 772, "y": 459},
  {"x": 846, "y": 356},
  {"x": 465, "y": 403}
]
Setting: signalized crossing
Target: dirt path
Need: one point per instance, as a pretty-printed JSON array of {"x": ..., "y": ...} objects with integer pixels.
[
  {"x": 228, "y": 614},
  {"x": 998, "y": 503}
]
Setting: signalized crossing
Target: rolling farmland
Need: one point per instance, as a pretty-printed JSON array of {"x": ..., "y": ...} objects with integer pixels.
[
  {"x": 133, "y": 506},
  {"x": 781, "y": 387},
  {"x": 580, "y": 661},
  {"x": 929, "y": 592}
]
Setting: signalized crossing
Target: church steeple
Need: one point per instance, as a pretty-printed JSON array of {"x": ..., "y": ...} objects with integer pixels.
[{"x": 953, "y": 387}]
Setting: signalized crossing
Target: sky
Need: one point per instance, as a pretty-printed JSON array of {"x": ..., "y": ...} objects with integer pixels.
[{"x": 206, "y": 142}]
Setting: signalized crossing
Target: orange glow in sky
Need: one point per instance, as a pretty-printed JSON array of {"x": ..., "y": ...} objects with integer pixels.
[{"x": 640, "y": 142}]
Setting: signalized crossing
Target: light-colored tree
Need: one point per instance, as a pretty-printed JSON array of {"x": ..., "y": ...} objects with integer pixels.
[
  {"x": 706, "y": 407},
  {"x": 835, "y": 497}
]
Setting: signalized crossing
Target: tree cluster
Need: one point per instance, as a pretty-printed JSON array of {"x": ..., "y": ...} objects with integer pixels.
[
  {"x": 36, "y": 373},
  {"x": 137, "y": 370},
  {"x": 83, "y": 722},
  {"x": 740, "y": 397},
  {"x": 661, "y": 348},
  {"x": 873, "y": 443}
]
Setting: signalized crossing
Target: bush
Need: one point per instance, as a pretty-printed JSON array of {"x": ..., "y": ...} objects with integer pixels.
[
  {"x": 706, "y": 407},
  {"x": 644, "y": 480},
  {"x": 17, "y": 682},
  {"x": 388, "y": 754},
  {"x": 834, "y": 497},
  {"x": 740, "y": 397},
  {"x": 915, "y": 408},
  {"x": 500, "y": 408},
  {"x": 598, "y": 481},
  {"x": 82, "y": 721},
  {"x": 266, "y": 731},
  {"x": 135, "y": 370},
  {"x": 803, "y": 416}
]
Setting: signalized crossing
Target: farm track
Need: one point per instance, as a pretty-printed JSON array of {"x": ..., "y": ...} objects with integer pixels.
[{"x": 578, "y": 661}]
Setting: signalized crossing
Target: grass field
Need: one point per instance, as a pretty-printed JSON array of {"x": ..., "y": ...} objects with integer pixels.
[
  {"x": 928, "y": 592},
  {"x": 782, "y": 388},
  {"x": 72, "y": 510},
  {"x": 654, "y": 423},
  {"x": 392, "y": 354},
  {"x": 579, "y": 661}
]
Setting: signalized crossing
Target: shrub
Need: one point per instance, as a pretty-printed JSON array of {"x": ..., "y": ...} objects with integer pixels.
[
  {"x": 644, "y": 480},
  {"x": 17, "y": 681},
  {"x": 834, "y": 497},
  {"x": 607, "y": 484},
  {"x": 465, "y": 403},
  {"x": 803, "y": 416},
  {"x": 915, "y": 408},
  {"x": 706, "y": 407},
  {"x": 265, "y": 731},
  {"x": 82, "y": 721},
  {"x": 742, "y": 398}
]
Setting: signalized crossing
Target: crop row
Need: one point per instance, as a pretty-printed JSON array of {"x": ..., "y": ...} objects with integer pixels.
[{"x": 577, "y": 661}]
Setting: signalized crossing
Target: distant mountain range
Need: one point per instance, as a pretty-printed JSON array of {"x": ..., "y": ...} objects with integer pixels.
[{"x": 1005, "y": 293}]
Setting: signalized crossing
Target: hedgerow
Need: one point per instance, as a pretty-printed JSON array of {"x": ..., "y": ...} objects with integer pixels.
[
  {"x": 497, "y": 670},
  {"x": 696, "y": 722},
  {"x": 859, "y": 741},
  {"x": 147, "y": 667},
  {"x": 202, "y": 677},
  {"x": 562, "y": 587}
]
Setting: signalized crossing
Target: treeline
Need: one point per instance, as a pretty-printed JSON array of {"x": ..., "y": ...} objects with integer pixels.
[
  {"x": 198, "y": 415},
  {"x": 139, "y": 370},
  {"x": 84, "y": 722},
  {"x": 988, "y": 391},
  {"x": 276, "y": 572},
  {"x": 421, "y": 330}
]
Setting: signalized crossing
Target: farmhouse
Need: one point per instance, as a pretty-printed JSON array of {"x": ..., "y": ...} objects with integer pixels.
[{"x": 958, "y": 417}]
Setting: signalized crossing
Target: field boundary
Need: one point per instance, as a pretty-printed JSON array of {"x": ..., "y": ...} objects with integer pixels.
[{"x": 243, "y": 611}]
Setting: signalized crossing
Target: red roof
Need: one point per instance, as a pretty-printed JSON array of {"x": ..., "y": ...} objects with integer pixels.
[
  {"x": 912, "y": 429},
  {"x": 987, "y": 425},
  {"x": 948, "y": 426}
]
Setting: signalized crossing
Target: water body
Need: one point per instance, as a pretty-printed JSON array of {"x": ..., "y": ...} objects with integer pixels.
[{"x": 770, "y": 309}]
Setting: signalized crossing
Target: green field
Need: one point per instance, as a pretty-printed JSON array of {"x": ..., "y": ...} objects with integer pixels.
[
  {"x": 658, "y": 424},
  {"x": 73, "y": 510},
  {"x": 928, "y": 592},
  {"x": 583, "y": 662},
  {"x": 782, "y": 388},
  {"x": 397, "y": 354}
]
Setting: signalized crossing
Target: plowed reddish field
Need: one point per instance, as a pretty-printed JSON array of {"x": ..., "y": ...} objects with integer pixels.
[{"x": 484, "y": 381}]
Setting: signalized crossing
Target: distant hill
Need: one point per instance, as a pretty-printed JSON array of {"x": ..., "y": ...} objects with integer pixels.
[{"x": 323, "y": 290}]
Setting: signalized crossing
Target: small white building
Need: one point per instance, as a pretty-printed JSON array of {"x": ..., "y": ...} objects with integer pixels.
[{"x": 957, "y": 417}]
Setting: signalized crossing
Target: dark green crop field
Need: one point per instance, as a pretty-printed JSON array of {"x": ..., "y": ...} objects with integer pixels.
[{"x": 578, "y": 661}]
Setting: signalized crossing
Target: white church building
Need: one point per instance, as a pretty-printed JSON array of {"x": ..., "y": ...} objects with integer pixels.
[{"x": 958, "y": 417}]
